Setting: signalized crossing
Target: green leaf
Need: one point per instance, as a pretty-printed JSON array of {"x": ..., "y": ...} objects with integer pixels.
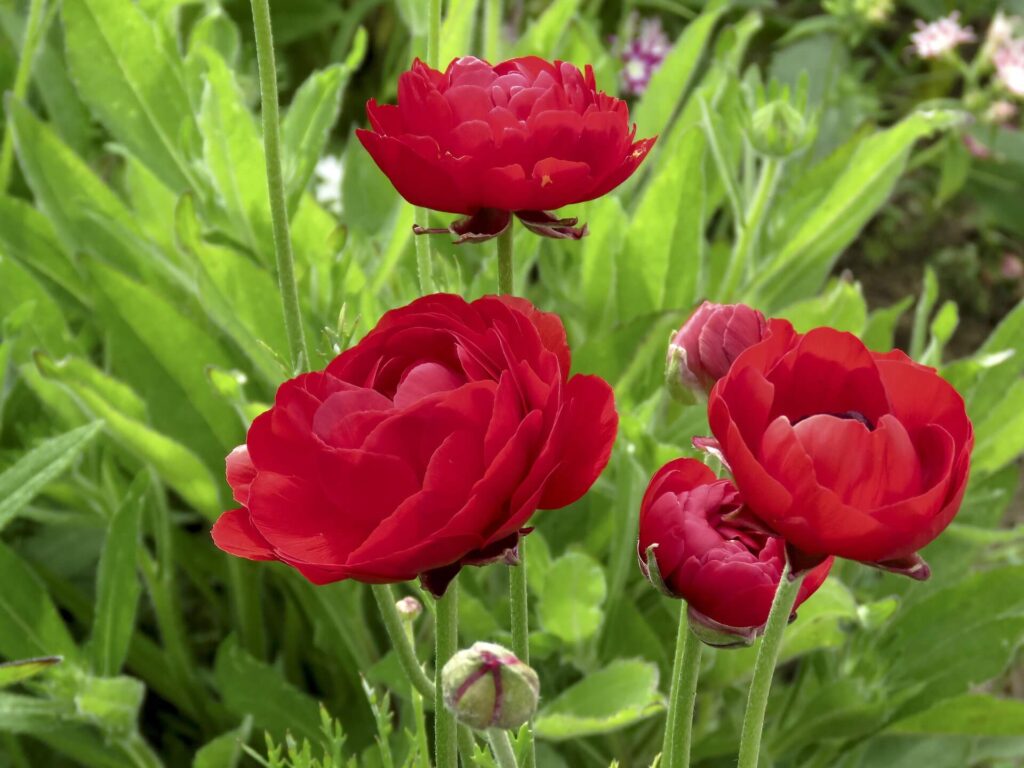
[
  {"x": 968, "y": 715},
  {"x": 225, "y": 751},
  {"x": 132, "y": 82},
  {"x": 73, "y": 198},
  {"x": 811, "y": 245},
  {"x": 544, "y": 33},
  {"x": 27, "y": 236},
  {"x": 112, "y": 703},
  {"x": 233, "y": 151},
  {"x": 574, "y": 591},
  {"x": 250, "y": 687},
  {"x": 164, "y": 353},
  {"x": 623, "y": 693},
  {"x": 15, "y": 671},
  {"x": 29, "y": 623},
  {"x": 96, "y": 395},
  {"x": 670, "y": 82},
  {"x": 30, "y": 312},
  {"x": 20, "y": 483},
  {"x": 117, "y": 583},
  {"x": 923, "y": 311},
  {"x": 880, "y": 329},
  {"x": 942, "y": 327},
  {"x": 999, "y": 435},
  {"x": 843, "y": 308},
  {"x": 607, "y": 223},
  {"x": 307, "y": 126},
  {"x": 661, "y": 261},
  {"x": 457, "y": 30}
]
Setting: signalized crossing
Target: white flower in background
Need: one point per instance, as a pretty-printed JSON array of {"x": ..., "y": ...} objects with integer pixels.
[
  {"x": 940, "y": 36},
  {"x": 643, "y": 55},
  {"x": 327, "y": 190},
  {"x": 1000, "y": 31},
  {"x": 1009, "y": 61},
  {"x": 1001, "y": 112}
]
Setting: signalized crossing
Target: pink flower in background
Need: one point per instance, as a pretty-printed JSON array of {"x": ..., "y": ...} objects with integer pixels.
[
  {"x": 1011, "y": 268},
  {"x": 642, "y": 56},
  {"x": 940, "y": 36},
  {"x": 1002, "y": 112},
  {"x": 1009, "y": 61},
  {"x": 976, "y": 148}
]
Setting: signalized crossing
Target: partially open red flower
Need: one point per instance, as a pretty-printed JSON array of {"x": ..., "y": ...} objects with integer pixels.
[
  {"x": 425, "y": 447},
  {"x": 691, "y": 523},
  {"x": 525, "y": 136},
  {"x": 841, "y": 450}
]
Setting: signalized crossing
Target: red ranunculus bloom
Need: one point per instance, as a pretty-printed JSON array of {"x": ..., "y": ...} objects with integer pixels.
[
  {"x": 841, "y": 450},
  {"x": 726, "y": 571},
  {"x": 524, "y": 136},
  {"x": 711, "y": 339},
  {"x": 426, "y": 446}
]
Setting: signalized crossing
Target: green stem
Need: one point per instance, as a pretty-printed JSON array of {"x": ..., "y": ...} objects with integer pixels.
[
  {"x": 520, "y": 620},
  {"x": 501, "y": 746},
  {"x": 721, "y": 164},
  {"x": 467, "y": 746},
  {"x": 749, "y": 229},
  {"x": 434, "y": 35},
  {"x": 275, "y": 184},
  {"x": 446, "y": 634},
  {"x": 679, "y": 722},
  {"x": 493, "y": 13},
  {"x": 505, "y": 274},
  {"x": 23, "y": 75},
  {"x": 385, "y": 598},
  {"x": 764, "y": 668}
]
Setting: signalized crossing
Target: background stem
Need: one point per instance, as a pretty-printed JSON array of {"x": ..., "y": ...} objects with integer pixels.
[
  {"x": 400, "y": 641},
  {"x": 424, "y": 254},
  {"x": 275, "y": 184},
  {"x": 764, "y": 668},
  {"x": 446, "y": 623},
  {"x": 679, "y": 721},
  {"x": 29, "y": 44},
  {"x": 501, "y": 747},
  {"x": 506, "y": 281},
  {"x": 493, "y": 14},
  {"x": 749, "y": 229}
]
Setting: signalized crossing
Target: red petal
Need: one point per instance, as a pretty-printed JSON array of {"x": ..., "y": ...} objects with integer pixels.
[
  {"x": 235, "y": 534},
  {"x": 240, "y": 473}
]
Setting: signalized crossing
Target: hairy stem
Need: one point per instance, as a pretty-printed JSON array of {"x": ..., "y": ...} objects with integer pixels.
[
  {"x": 446, "y": 631},
  {"x": 679, "y": 721},
  {"x": 400, "y": 641}
]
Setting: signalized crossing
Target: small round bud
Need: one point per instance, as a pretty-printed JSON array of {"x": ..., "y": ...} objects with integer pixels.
[
  {"x": 701, "y": 352},
  {"x": 778, "y": 129},
  {"x": 486, "y": 686},
  {"x": 409, "y": 608}
]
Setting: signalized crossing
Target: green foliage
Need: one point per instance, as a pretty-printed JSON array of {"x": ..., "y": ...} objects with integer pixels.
[{"x": 141, "y": 331}]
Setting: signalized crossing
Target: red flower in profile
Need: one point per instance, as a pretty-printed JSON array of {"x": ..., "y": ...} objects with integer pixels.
[
  {"x": 525, "y": 136},
  {"x": 726, "y": 571},
  {"x": 841, "y": 450},
  {"x": 425, "y": 447},
  {"x": 708, "y": 342}
]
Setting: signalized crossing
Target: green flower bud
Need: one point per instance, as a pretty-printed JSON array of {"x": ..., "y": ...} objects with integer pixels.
[
  {"x": 777, "y": 123},
  {"x": 409, "y": 608},
  {"x": 486, "y": 686}
]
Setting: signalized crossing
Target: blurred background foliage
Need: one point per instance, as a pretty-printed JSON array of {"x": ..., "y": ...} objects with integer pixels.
[{"x": 140, "y": 332}]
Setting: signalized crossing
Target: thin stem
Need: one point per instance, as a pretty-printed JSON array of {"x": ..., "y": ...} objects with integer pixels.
[
  {"x": 748, "y": 233},
  {"x": 679, "y": 721},
  {"x": 434, "y": 35},
  {"x": 724, "y": 170},
  {"x": 520, "y": 620},
  {"x": 493, "y": 13},
  {"x": 764, "y": 668},
  {"x": 385, "y": 598},
  {"x": 501, "y": 746},
  {"x": 467, "y": 746},
  {"x": 275, "y": 184},
  {"x": 446, "y": 631},
  {"x": 505, "y": 273},
  {"x": 30, "y": 43}
]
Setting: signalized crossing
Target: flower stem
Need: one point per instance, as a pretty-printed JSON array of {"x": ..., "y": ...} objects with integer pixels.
[
  {"x": 30, "y": 38},
  {"x": 679, "y": 721},
  {"x": 749, "y": 229},
  {"x": 424, "y": 254},
  {"x": 520, "y": 620},
  {"x": 501, "y": 746},
  {"x": 764, "y": 668},
  {"x": 275, "y": 184},
  {"x": 493, "y": 13},
  {"x": 400, "y": 641},
  {"x": 505, "y": 274},
  {"x": 446, "y": 631}
]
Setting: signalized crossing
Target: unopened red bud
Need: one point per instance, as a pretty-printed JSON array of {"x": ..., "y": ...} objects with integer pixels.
[
  {"x": 487, "y": 686},
  {"x": 701, "y": 352}
]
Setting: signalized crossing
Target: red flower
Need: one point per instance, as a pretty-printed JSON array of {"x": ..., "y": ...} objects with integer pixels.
[
  {"x": 841, "y": 450},
  {"x": 702, "y": 350},
  {"x": 426, "y": 446},
  {"x": 726, "y": 571},
  {"x": 524, "y": 136}
]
